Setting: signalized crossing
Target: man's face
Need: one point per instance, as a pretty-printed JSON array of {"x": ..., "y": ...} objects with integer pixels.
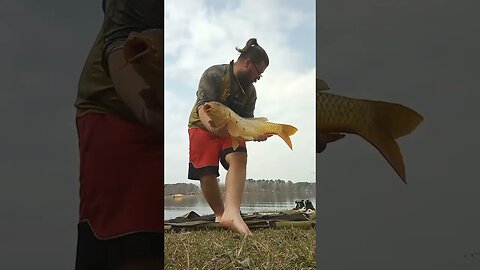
[
  {"x": 257, "y": 70},
  {"x": 252, "y": 72}
]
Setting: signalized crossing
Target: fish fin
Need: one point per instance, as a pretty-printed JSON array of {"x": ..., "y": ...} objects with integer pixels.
[
  {"x": 234, "y": 144},
  {"x": 260, "y": 119},
  {"x": 245, "y": 138},
  {"x": 387, "y": 146},
  {"x": 322, "y": 85},
  {"x": 285, "y": 132},
  {"x": 234, "y": 129}
]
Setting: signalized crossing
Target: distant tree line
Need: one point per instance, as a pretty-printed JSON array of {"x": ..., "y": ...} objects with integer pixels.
[
  {"x": 278, "y": 185},
  {"x": 182, "y": 188},
  {"x": 251, "y": 186}
]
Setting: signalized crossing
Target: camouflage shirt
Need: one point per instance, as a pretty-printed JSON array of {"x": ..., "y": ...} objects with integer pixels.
[
  {"x": 218, "y": 83},
  {"x": 95, "y": 88}
]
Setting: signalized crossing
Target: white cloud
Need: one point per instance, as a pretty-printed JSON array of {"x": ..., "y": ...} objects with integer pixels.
[{"x": 198, "y": 36}]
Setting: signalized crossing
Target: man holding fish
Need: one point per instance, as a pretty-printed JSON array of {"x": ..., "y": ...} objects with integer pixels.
[
  {"x": 220, "y": 122},
  {"x": 232, "y": 85}
]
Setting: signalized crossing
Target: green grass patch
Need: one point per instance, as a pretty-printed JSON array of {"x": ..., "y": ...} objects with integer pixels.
[{"x": 281, "y": 248}]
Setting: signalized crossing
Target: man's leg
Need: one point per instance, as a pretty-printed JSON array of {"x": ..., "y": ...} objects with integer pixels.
[
  {"x": 203, "y": 166},
  {"x": 235, "y": 185},
  {"x": 211, "y": 192}
]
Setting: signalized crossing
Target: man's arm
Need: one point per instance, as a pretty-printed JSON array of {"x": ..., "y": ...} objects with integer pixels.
[{"x": 208, "y": 91}]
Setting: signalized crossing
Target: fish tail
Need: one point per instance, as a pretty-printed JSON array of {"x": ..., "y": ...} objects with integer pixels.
[
  {"x": 390, "y": 121},
  {"x": 395, "y": 119},
  {"x": 285, "y": 132}
]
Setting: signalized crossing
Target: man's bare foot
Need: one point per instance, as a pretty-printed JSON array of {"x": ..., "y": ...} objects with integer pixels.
[
  {"x": 235, "y": 224},
  {"x": 218, "y": 218}
]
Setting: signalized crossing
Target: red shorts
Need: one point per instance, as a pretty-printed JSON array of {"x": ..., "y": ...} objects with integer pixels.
[
  {"x": 207, "y": 150},
  {"x": 121, "y": 175}
]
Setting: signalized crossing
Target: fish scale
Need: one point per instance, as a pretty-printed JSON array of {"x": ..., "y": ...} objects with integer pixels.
[{"x": 337, "y": 113}]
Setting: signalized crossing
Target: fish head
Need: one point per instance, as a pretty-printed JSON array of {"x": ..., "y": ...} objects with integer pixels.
[
  {"x": 216, "y": 111},
  {"x": 144, "y": 51}
]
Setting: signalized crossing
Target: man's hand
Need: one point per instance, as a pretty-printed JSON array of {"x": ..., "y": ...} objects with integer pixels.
[
  {"x": 324, "y": 138},
  {"x": 262, "y": 138},
  {"x": 220, "y": 131}
]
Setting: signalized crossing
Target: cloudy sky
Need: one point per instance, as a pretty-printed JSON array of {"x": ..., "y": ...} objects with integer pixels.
[{"x": 199, "y": 34}]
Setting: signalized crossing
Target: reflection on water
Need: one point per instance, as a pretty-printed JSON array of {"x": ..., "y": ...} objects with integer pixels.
[{"x": 251, "y": 202}]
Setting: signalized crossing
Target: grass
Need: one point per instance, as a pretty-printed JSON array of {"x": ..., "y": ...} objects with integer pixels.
[{"x": 282, "y": 248}]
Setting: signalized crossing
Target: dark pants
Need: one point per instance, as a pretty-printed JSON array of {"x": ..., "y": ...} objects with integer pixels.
[{"x": 139, "y": 251}]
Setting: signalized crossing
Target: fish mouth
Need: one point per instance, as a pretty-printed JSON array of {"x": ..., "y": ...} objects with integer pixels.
[{"x": 207, "y": 107}]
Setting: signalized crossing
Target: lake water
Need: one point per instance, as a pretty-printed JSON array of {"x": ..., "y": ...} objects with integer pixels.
[{"x": 251, "y": 202}]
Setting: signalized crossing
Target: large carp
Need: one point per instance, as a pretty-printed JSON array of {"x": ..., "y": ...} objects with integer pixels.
[{"x": 246, "y": 129}]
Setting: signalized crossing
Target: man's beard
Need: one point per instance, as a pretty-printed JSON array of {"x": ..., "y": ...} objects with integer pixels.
[{"x": 243, "y": 80}]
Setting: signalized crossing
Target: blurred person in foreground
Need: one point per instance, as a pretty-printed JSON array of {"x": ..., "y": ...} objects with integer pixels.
[{"x": 121, "y": 148}]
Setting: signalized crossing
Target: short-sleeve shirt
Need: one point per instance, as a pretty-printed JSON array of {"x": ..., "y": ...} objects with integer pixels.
[
  {"x": 218, "y": 83},
  {"x": 95, "y": 89}
]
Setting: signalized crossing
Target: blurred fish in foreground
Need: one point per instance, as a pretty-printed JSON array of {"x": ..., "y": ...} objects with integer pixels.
[
  {"x": 144, "y": 51},
  {"x": 378, "y": 122}
]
